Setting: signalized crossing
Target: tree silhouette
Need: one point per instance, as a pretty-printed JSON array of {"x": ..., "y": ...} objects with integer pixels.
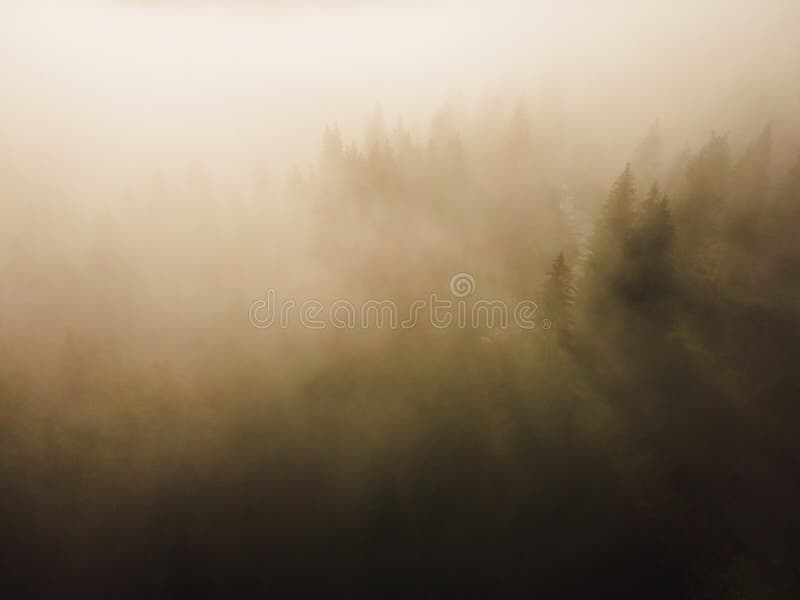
[
  {"x": 606, "y": 264},
  {"x": 559, "y": 294},
  {"x": 651, "y": 253},
  {"x": 647, "y": 156}
]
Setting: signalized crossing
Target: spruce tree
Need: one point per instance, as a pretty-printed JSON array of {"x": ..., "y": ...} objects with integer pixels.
[
  {"x": 559, "y": 293},
  {"x": 650, "y": 253},
  {"x": 743, "y": 222},
  {"x": 698, "y": 215},
  {"x": 613, "y": 229},
  {"x": 604, "y": 282},
  {"x": 647, "y": 156}
]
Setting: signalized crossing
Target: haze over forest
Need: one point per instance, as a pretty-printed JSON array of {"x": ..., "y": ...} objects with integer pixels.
[{"x": 632, "y": 169}]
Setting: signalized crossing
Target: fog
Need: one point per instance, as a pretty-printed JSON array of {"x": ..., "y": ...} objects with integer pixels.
[
  {"x": 153, "y": 79},
  {"x": 630, "y": 168}
]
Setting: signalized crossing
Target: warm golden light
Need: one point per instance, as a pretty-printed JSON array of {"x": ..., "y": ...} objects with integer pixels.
[{"x": 399, "y": 298}]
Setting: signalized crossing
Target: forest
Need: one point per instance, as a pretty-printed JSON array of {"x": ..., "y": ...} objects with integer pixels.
[{"x": 639, "y": 441}]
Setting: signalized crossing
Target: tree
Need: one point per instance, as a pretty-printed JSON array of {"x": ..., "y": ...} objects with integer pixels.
[
  {"x": 376, "y": 134},
  {"x": 698, "y": 215},
  {"x": 559, "y": 294},
  {"x": 781, "y": 244},
  {"x": 650, "y": 251},
  {"x": 744, "y": 217},
  {"x": 751, "y": 173},
  {"x": 789, "y": 194},
  {"x": 614, "y": 227},
  {"x": 617, "y": 214},
  {"x": 647, "y": 156},
  {"x": 332, "y": 150},
  {"x": 708, "y": 174},
  {"x": 606, "y": 266},
  {"x": 445, "y": 146}
]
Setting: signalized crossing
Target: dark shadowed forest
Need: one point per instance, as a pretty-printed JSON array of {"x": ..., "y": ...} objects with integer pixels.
[{"x": 639, "y": 440}]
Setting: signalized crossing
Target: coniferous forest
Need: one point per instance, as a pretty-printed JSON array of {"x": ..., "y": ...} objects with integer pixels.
[{"x": 161, "y": 437}]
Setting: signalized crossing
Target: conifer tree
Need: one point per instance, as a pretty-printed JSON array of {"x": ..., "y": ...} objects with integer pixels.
[
  {"x": 332, "y": 149},
  {"x": 698, "y": 215},
  {"x": 559, "y": 294},
  {"x": 606, "y": 266},
  {"x": 375, "y": 134},
  {"x": 614, "y": 226},
  {"x": 744, "y": 217},
  {"x": 651, "y": 251},
  {"x": 782, "y": 244},
  {"x": 751, "y": 173},
  {"x": 789, "y": 194},
  {"x": 647, "y": 156}
]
